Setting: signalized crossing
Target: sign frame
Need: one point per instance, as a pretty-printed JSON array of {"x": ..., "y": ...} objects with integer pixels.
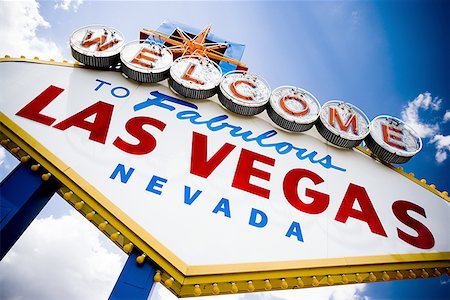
[{"x": 189, "y": 280}]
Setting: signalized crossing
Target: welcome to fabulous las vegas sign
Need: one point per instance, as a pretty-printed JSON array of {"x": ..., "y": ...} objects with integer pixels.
[{"x": 222, "y": 198}]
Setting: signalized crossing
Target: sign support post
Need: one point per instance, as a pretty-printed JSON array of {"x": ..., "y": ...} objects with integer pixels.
[
  {"x": 23, "y": 195},
  {"x": 135, "y": 281}
]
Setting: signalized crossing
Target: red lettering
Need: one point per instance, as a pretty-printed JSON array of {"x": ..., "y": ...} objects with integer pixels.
[
  {"x": 147, "y": 141},
  {"x": 143, "y": 56},
  {"x": 388, "y": 136},
  {"x": 424, "y": 238},
  {"x": 299, "y": 100},
  {"x": 290, "y": 185},
  {"x": 33, "y": 109},
  {"x": 188, "y": 74},
  {"x": 367, "y": 213},
  {"x": 351, "y": 121},
  {"x": 99, "y": 128},
  {"x": 245, "y": 170},
  {"x": 236, "y": 93},
  {"x": 200, "y": 165},
  {"x": 100, "y": 41}
]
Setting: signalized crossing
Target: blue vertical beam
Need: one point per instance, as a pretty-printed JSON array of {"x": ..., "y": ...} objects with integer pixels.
[
  {"x": 23, "y": 194},
  {"x": 135, "y": 282}
]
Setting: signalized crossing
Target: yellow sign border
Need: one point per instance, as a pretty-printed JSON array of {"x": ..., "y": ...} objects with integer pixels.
[{"x": 186, "y": 281}]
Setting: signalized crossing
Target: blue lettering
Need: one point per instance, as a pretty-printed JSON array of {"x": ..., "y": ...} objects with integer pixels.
[
  {"x": 234, "y": 132},
  {"x": 264, "y": 136},
  {"x": 113, "y": 92},
  {"x": 158, "y": 101},
  {"x": 326, "y": 162},
  {"x": 223, "y": 206},
  {"x": 217, "y": 119},
  {"x": 190, "y": 115},
  {"x": 156, "y": 182},
  {"x": 284, "y": 147},
  {"x": 124, "y": 175},
  {"x": 101, "y": 84},
  {"x": 295, "y": 230},
  {"x": 254, "y": 216},
  {"x": 188, "y": 199},
  {"x": 216, "y": 124},
  {"x": 300, "y": 152}
]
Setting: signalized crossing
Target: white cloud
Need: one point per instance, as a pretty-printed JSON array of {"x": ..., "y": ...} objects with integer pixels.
[
  {"x": 440, "y": 156},
  {"x": 18, "y": 33},
  {"x": 343, "y": 292},
  {"x": 447, "y": 116},
  {"x": 442, "y": 146},
  {"x": 67, "y": 4},
  {"x": 7, "y": 163},
  {"x": 410, "y": 114},
  {"x": 59, "y": 258}
]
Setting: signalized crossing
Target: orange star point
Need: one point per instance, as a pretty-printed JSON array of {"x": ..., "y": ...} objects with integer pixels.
[{"x": 185, "y": 45}]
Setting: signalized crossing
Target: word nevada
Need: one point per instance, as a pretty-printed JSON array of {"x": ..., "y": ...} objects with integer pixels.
[{"x": 196, "y": 76}]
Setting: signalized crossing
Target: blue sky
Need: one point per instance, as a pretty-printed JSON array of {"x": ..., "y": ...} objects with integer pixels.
[{"x": 386, "y": 57}]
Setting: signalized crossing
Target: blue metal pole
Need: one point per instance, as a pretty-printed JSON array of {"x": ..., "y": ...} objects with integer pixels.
[
  {"x": 135, "y": 281},
  {"x": 23, "y": 194}
]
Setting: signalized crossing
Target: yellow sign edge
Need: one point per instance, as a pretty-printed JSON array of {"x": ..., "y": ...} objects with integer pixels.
[
  {"x": 179, "y": 277},
  {"x": 36, "y": 60},
  {"x": 318, "y": 263},
  {"x": 421, "y": 182}
]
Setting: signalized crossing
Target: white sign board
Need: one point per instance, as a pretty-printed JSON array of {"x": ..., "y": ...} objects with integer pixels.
[{"x": 216, "y": 188}]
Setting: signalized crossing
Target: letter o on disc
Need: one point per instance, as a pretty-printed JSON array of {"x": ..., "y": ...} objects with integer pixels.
[
  {"x": 293, "y": 109},
  {"x": 97, "y": 46},
  {"x": 244, "y": 93},
  {"x": 392, "y": 140},
  {"x": 195, "y": 77},
  {"x": 342, "y": 124},
  {"x": 145, "y": 61}
]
